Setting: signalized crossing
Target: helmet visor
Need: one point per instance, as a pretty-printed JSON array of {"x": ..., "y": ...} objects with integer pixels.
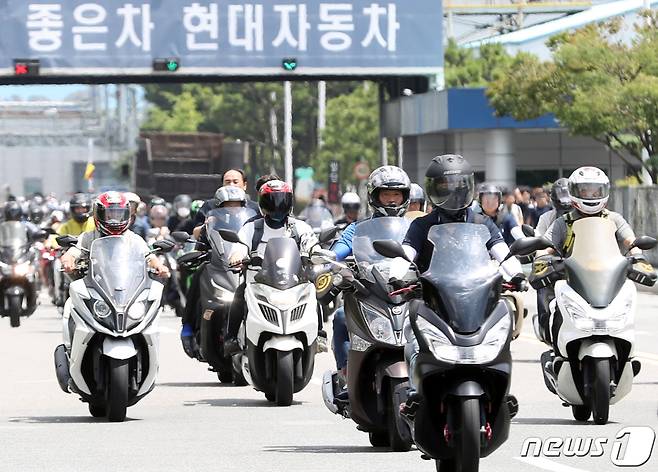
[
  {"x": 276, "y": 205},
  {"x": 451, "y": 192},
  {"x": 116, "y": 215},
  {"x": 590, "y": 190}
]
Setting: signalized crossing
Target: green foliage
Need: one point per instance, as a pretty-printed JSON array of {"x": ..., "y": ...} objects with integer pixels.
[
  {"x": 597, "y": 85},
  {"x": 474, "y": 68},
  {"x": 181, "y": 115},
  {"x": 352, "y": 132}
]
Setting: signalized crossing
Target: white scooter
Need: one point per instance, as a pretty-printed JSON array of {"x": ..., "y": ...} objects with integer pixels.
[
  {"x": 592, "y": 320},
  {"x": 110, "y": 328},
  {"x": 279, "y": 336}
]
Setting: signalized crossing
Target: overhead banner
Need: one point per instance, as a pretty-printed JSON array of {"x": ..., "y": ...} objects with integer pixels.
[{"x": 265, "y": 38}]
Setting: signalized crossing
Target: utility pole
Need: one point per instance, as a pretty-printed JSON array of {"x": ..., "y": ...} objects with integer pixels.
[{"x": 287, "y": 129}]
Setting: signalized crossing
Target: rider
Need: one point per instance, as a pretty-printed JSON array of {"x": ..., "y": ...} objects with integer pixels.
[
  {"x": 111, "y": 216},
  {"x": 224, "y": 197},
  {"x": 388, "y": 195},
  {"x": 490, "y": 200},
  {"x": 561, "y": 204},
  {"x": 158, "y": 220},
  {"x": 181, "y": 209},
  {"x": 351, "y": 204},
  {"x": 450, "y": 185},
  {"x": 417, "y": 203},
  {"x": 80, "y": 221},
  {"x": 14, "y": 212},
  {"x": 231, "y": 178},
  {"x": 275, "y": 201},
  {"x": 589, "y": 189}
]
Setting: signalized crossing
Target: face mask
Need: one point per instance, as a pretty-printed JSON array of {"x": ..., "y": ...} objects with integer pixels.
[{"x": 183, "y": 212}]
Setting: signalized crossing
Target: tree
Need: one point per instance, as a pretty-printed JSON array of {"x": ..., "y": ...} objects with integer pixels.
[
  {"x": 352, "y": 132},
  {"x": 597, "y": 85},
  {"x": 471, "y": 67},
  {"x": 181, "y": 116}
]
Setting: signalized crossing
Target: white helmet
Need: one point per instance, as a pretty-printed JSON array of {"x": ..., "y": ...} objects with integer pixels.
[
  {"x": 589, "y": 188},
  {"x": 350, "y": 201},
  {"x": 230, "y": 194}
]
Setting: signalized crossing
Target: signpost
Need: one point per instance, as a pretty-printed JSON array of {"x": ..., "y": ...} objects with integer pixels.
[{"x": 333, "y": 193}]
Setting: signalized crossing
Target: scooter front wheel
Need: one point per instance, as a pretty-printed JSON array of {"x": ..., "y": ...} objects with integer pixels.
[
  {"x": 600, "y": 390},
  {"x": 468, "y": 454},
  {"x": 284, "y": 378},
  {"x": 15, "y": 311},
  {"x": 117, "y": 389},
  {"x": 398, "y": 433}
]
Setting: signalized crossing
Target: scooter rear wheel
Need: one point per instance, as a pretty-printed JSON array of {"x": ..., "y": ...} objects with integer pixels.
[
  {"x": 97, "y": 411},
  {"x": 117, "y": 389},
  {"x": 284, "y": 378},
  {"x": 15, "y": 311},
  {"x": 379, "y": 439},
  {"x": 581, "y": 412},
  {"x": 445, "y": 465}
]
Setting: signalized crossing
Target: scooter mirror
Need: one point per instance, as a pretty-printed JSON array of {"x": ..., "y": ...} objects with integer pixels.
[
  {"x": 645, "y": 243},
  {"x": 163, "y": 245},
  {"x": 327, "y": 234},
  {"x": 526, "y": 246},
  {"x": 389, "y": 248},
  {"x": 180, "y": 236},
  {"x": 67, "y": 240},
  {"x": 40, "y": 235},
  {"x": 229, "y": 236},
  {"x": 528, "y": 230}
]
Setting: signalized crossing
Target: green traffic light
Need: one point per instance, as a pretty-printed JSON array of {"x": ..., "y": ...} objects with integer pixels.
[
  {"x": 289, "y": 64},
  {"x": 172, "y": 65}
]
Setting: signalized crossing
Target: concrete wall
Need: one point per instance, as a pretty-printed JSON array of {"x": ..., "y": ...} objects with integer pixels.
[
  {"x": 533, "y": 150},
  {"x": 639, "y": 206},
  {"x": 53, "y": 165}
]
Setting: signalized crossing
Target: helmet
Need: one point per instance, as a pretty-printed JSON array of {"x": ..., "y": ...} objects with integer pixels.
[
  {"x": 417, "y": 195},
  {"x": 195, "y": 207},
  {"x": 134, "y": 202},
  {"x": 155, "y": 200},
  {"x": 36, "y": 213},
  {"x": 230, "y": 194},
  {"x": 182, "y": 205},
  {"x": 13, "y": 211},
  {"x": 350, "y": 202},
  {"x": 158, "y": 215},
  {"x": 490, "y": 189},
  {"x": 450, "y": 183},
  {"x": 589, "y": 188},
  {"x": 388, "y": 178},
  {"x": 560, "y": 194},
  {"x": 112, "y": 213},
  {"x": 275, "y": 200},
  {"x": 57, "y": 216},
  {"x": 79, "y": 200}
]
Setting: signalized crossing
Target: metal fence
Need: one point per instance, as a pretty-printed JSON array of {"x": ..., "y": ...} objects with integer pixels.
[{"x": 639, "y": 205}]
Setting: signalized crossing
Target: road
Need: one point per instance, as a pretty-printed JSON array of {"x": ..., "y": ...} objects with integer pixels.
[{"x": 190, "y": 422}]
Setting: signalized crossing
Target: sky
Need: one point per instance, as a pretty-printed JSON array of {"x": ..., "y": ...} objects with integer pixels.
[{"x": 53, "y": 92}]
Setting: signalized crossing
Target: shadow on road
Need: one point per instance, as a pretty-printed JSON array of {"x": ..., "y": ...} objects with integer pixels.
[
  {"x": 195, "y": 384},
  {"x": 526, "y": 361},
  {"x": 237, "y": 402},
  {"x": 551, "y": 421},
  {"x": 61, "y": 419},
  {"x": 327, "y": 449}
]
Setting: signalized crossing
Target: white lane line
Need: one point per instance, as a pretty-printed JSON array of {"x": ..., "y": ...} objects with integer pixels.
[
  {"x": 543, "y": 463},
  {"x": 647, "y": 357}
]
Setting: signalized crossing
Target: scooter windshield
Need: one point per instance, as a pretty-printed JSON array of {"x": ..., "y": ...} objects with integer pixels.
[
  {"x": 463, "y": 273},
  {"x": 118, "y": 269},
  {"x": 367, "y": 259},
  {"x": 318, "y": 218},
  {"x": 282, "y": 264},
  {"x": 596, "y": 269},
  {"x": 226, "y": 218},
  {"x": 13, "y": 241}
]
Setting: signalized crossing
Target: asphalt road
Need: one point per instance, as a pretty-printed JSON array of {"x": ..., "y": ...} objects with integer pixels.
[{"x": 191, "y": 422}]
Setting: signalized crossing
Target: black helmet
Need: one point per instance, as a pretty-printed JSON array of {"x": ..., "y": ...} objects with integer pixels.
[
  {"x": 13, "y": 211},
  {"x": 560, "y": 194},
  {"x": 36, "y": 213},
  {"x": 80, "y": 200},
  {"x": 490, "y": 189},
  {"x": 275, "y": 200},
  {"x": 450, "y": 183}
]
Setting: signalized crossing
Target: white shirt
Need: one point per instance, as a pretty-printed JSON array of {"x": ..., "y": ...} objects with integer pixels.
[{"x": 306, "y": 236}]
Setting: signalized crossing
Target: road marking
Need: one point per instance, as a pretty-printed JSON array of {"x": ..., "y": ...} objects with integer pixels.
[{"x": 543, "y": 463}]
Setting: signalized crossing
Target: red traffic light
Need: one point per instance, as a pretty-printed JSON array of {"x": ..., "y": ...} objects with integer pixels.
[{"x": 26, "y": 67}]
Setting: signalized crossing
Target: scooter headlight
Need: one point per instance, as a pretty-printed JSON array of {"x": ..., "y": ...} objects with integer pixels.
[
  {"x": 23, "y": 269},
  {"x": 482, "y": 353},
  {"x": 221, "y": 293},
  {"x": 102, "y": 309},
  {"x": 137, "y": 311},
  {"x": 379, "y": 324},
  {"x": 606, "y": 320}
]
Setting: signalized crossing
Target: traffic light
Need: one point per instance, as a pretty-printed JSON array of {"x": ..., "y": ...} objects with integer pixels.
[
  {"x": 166, "y": 64},
  {"x": 26, "y": 67},
  {"x": 289, "y": 63}
]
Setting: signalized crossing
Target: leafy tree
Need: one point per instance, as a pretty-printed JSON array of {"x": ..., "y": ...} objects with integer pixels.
[
  {"x": 471, "y": 67},
  {"x": 182, "y": 115},
  {"x": 597, "y": 85}
]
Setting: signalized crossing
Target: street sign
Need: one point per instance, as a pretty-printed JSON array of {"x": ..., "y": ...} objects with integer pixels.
[
  {"x": 77, "y": 38},
  {"x": 361, "y": 170}
]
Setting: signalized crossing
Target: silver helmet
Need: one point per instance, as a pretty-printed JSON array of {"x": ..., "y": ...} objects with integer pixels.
[{"x": 388, "y": 178}]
